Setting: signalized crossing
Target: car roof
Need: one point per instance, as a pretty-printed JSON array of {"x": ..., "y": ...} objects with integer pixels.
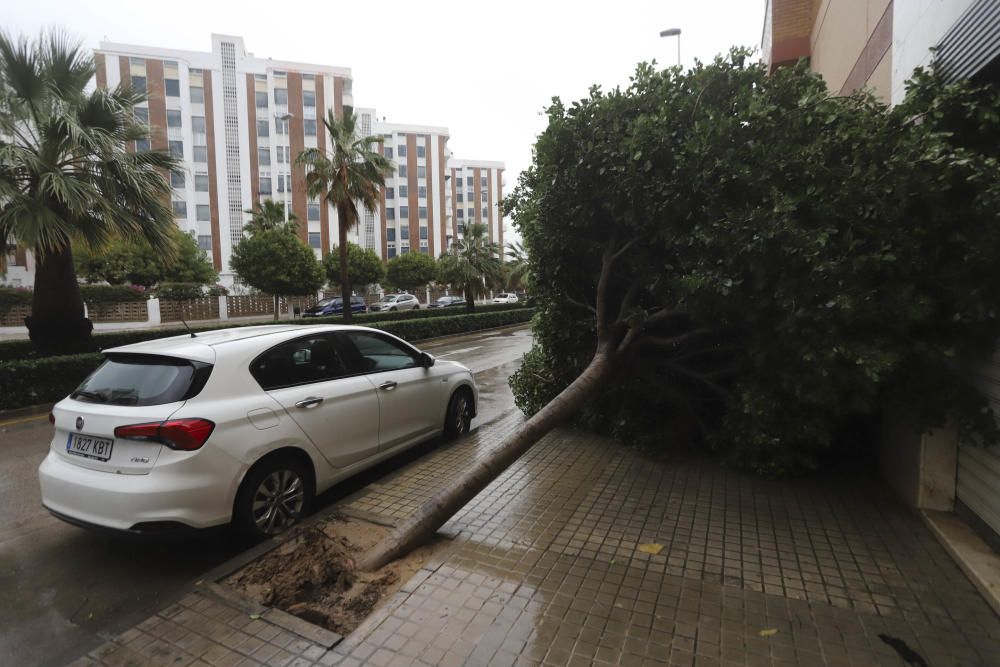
[{"x": 202, "y": 346}]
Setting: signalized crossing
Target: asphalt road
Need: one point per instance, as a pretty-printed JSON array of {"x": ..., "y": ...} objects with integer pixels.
[{"x": 63, "y": 588}]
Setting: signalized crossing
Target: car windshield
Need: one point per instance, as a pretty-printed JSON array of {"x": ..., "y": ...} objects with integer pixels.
[
  {"x": 140, "y": 380},
  {"x": 327, "y": 302},
  {"x": 388, "y": 299}
]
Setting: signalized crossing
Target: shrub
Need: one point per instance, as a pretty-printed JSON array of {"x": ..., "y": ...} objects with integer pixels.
[
  {"x": 12, "y": 297},
  {"x": 95, "y": 294},
  {"x": 179, "y": 291}
]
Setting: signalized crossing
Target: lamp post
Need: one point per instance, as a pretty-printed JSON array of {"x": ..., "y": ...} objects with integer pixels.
[
  {"x": 287, "y": 181},
  {"x": 674, "y": 32}
]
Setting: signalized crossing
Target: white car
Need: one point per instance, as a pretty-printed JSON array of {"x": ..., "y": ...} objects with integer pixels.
[
  {"x": 509, "y": 297},
  {"x": 395, "y": 302},
  {"x": 242, "y": 425}
]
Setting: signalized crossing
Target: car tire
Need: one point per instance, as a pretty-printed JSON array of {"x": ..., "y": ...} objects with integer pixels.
[
  {"x": 392, "y": 309},
  {"x": 458, "y": 418},
  {"x": 416, "y": 307},
  {"x": 258, "y": 512}
]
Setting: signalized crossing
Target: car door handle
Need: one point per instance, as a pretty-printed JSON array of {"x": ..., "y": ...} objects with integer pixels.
[
  {"x": 387, "y": 386},
  {"x": 310, "y": 402}
]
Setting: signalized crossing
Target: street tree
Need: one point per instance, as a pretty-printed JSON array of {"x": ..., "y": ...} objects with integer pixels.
[
  {"x": 363, "y": 265},
  {"x": 137, "y": 263},
  {"x": 277, "y": 262},
  {"x": 351, "y": 173},
  {"x": 518, "y": 272},
  {"x": 727, "y": 237},
  {"x": 269, "y": 214},
  {"x": 69, "y": 174},
  {"x": 472, "y": 265},
  {"x": 411, "y": 271}
]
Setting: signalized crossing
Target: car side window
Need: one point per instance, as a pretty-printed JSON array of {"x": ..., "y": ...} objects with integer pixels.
[
  {"x": 300, "y": 361},
  {"x": 379, "y": 353}
]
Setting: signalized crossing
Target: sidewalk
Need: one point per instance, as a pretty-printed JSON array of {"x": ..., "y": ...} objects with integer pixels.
[{"x": 546, "y": 569}]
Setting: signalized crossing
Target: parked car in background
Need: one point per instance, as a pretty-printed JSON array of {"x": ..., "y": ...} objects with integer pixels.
[
  {"x": 395, "y": 302},
  {"x": 508, "y": 297},
  {"x": 242, "y": 425},
  {"x": 447, "y": 301},
  {"x": 335, "y": 306}
]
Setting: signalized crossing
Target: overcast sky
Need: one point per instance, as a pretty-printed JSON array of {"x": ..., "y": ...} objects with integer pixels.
[{"x": 483, "y": 70}]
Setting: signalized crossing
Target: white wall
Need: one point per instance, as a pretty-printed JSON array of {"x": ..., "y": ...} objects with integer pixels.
[{"x": 918, "y": 25}]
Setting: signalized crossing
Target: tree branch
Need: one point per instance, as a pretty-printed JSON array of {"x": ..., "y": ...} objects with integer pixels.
[
  {"x": 581, "y": 304},
  {"x": 672, "y": 341}
]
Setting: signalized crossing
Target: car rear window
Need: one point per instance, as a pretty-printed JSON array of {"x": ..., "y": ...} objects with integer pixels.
[{"x": 126, "y": 379}]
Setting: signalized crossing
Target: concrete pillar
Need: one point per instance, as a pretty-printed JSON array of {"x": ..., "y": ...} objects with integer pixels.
[
  {"x": 223, "y": 308},
  {"x": 427, "y": 290},
  {"x": 153, "y": 308}
]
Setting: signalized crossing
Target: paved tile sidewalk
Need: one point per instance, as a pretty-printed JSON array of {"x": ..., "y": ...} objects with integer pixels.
[{"x": 546, "y": 570}]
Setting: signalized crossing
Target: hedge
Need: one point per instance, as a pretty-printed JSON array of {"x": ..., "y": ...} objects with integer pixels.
[
  {"x": 49, "y": 379},
  {"x": 12, "y": 350},
  {"x": 95, "y": 294}
]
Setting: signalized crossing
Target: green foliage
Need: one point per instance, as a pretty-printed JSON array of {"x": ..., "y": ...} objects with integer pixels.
[
  {"x": 410, "y": 271},
  {"x": 277, "y": 262},
  {"x": 472, "y": 265},
  {"x": 364, "y": 267},
  {"x": 138, "y": 263},
  {"x": 268, "y": 215},
  {"x": 34, "y": 381},
  {"x": 179, "y": 291},
  {"x": 11, "y": 297},
  {"x": 821, "y": 255},
  {"x": 95, "y": 294}
]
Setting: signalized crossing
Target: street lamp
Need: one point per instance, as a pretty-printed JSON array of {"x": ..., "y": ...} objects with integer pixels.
[
  {"x": 287, "y": 181},
  {"x": 674, "y": 32}
]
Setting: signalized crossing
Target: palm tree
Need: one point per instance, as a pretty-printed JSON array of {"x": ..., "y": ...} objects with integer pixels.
[
  {"x": 472, "y": 263},
  {"x": 350, "y": 174},
  {"x": 67, "y": 176},
  {"x": 268, "y": 215},
  {"x": 518, "y": 273}
]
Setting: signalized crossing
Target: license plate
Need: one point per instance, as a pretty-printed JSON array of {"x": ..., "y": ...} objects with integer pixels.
[{"x": 89, "y": 446}]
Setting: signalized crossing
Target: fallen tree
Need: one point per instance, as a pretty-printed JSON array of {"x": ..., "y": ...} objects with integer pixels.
[{"x": 748, "y": 254}]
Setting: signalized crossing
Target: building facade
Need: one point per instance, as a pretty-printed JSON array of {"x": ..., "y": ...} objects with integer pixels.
[
  {"x": 476, "y": 193},
  {"x": 237, "y": 122}
]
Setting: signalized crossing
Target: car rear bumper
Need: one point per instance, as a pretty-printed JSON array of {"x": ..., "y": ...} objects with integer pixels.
[{"x": 93, "y": 498}]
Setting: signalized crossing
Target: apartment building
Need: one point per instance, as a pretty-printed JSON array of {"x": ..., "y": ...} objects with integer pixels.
[
  {"x": 238, "y": 122},
  {"x": 476, "y": 193}
]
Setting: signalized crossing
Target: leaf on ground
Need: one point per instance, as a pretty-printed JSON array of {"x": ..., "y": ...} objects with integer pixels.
[
  {"x": 651, "y": 548},
  {"x": 767, "y": 632},
  {"x": 254, "y": 616}
]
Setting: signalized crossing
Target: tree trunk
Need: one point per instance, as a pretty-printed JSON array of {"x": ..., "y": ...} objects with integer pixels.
[
  {"x": 276, "y": 301},
  {"x": 345, "y": 285},
  {"x": 435, "y": 513},
  {"x": 470, "y": 299},
  {"x": 57, "y": 324}
]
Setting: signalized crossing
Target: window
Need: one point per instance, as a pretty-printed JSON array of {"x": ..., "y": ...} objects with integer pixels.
[
  {"x": 486, "y": 212},
  {"x": 281, "y": 182},
  {"x": 205, "y": 242},
  {"x": 423, "y": 233},
  {"x": 403, "y": 249},
  {"x": 173, "y": 118},
  {"x": 401, "y": 151},
  {"x": 263, "y": 128},
  {"x": 390, "y": 214},
  {"x": 198, "y": 124},
  {"x": 461, "y": 213},
  {"x": 315, "y": 241},
  {"x": 390, "y": 234},
  {"x": 482, "y": 181},
  {"x": 422, "y": 192},
  {"x": 281, "y": 126},
  {"x": 468, "y": 181},
  {"x": 404, "y": 233},
  {"x": 422, "y": 212},
  {"x": 421, "y": 150},
  {"x": 197, "y": 95},
  {"x": 176, "y": 148},
  {"x": 140, "y": 380},
  {"x": 260, "y": 100},
  {"x": 177, "y": 179},
  {"x": 312, "y": 212},
  {"x": 203, "y": 213},
  {"x": 265, "y": 185},
  {"x": 308, "y": 98},
  {"x": 402, "y": 171},
  {"x": 141, "y": 145},
  {"x": 201, "y": 153},
  {"x": 309, "y": 126},
  {"x": 139, "y": 83},
  {"x": 201, "y": 182},
  {"x": 180, "y": 208},
  {"x": 390, "y": 193},
  {"x": 421, "y": 171},
  {"x": 391, "y": 251},
  {"x": 281, "y": 96},
  {"x": 302, "y": 361},
  {"x": 172, "y": 87},
  {"x": 404, "y": 191},
  {"x": 387, "y": 151},
  {"x": 404, "y": 212},
  {"x": 141, "y": 115},
  {"x": 380, "y": 353},
  {"x": 264, "y": 156},
  {"x": 472, "y": 213},
  {"x": 483, "y": 195},
  {"x": 460, "y": 198}
]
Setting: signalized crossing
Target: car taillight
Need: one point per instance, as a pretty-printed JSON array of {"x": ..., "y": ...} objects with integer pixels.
[
  {"x": 52, "y": 418},
  {"x": 183, "y": 434}
]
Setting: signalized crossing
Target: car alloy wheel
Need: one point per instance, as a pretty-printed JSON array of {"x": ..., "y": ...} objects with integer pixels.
[
  {"x": 459, "y": 419},
  {"x": 278, "y": 501}
]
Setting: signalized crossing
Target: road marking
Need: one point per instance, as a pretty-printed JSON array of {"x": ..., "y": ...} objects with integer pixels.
[
  {"x": 464, "y": 349},
  {"x": 11, "y": 422}
]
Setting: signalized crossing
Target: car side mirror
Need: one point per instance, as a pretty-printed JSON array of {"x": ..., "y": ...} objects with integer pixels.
[{"x": 427, "y": 360}]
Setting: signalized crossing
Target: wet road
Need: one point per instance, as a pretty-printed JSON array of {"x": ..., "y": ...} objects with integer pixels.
[{"x": 62, "y": 588}]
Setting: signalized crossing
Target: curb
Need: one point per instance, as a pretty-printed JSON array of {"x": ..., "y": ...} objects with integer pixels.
[{"x": 27, "y": 411}]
